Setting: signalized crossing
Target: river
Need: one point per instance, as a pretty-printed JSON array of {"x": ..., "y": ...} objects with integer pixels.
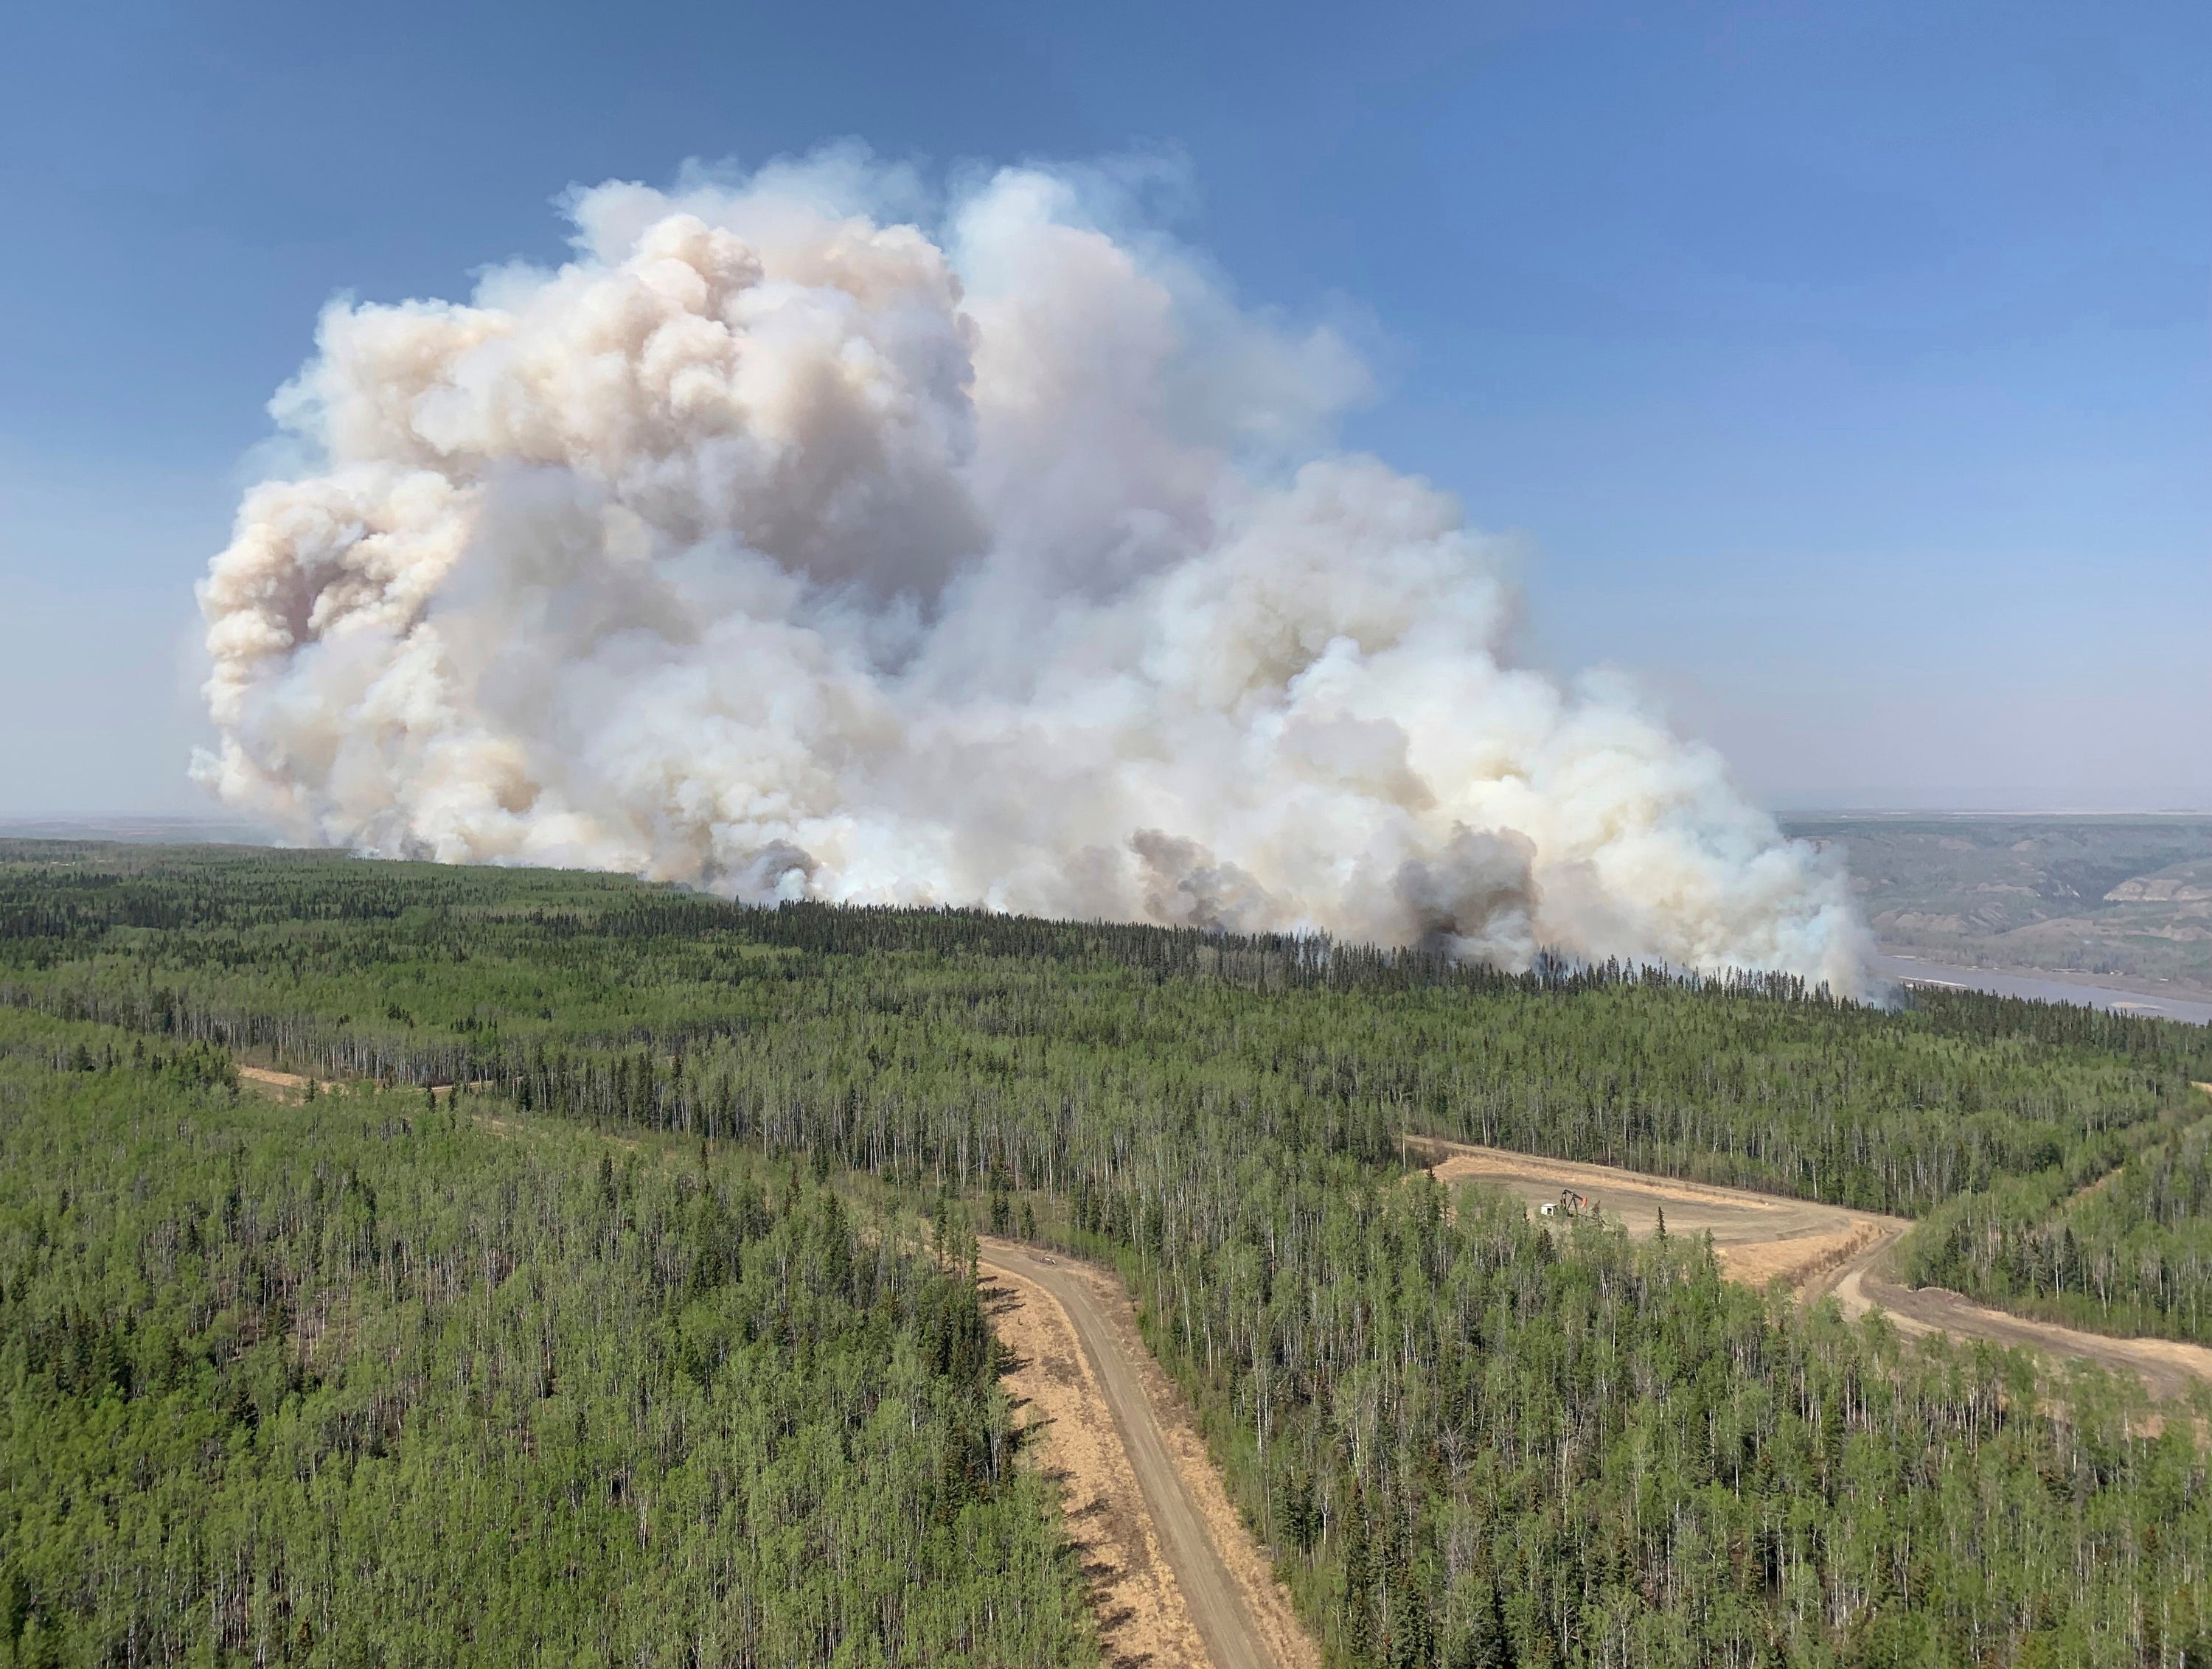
[{"x": 2045, "y": 987}]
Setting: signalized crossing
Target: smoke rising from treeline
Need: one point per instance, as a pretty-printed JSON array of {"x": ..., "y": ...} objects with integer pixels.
[{"x": 778, "y": 545}]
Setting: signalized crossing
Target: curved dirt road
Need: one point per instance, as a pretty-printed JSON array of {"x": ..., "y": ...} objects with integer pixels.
[
  {"x": 1216, "y": 1582},
  {"x": 1816, "y": 1249},
  {"x": 2167, "y": 1369}
]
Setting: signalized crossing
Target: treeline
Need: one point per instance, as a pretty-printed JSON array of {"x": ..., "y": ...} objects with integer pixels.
[
  {"x": 973, "y": 1035},
  {"x": 78, "y": 891},
  {"x": 365, "y": 1381},
  {"x": 63, "y": 890}
]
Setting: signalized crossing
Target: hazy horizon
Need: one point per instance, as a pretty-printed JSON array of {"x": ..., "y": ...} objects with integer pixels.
[{"x": 1787, "y": 812}]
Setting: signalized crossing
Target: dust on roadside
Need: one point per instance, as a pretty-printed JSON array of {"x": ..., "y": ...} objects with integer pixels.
[
  {"x": 1143, "y": 1617},
  {"x": 1266, "y": 1601}
]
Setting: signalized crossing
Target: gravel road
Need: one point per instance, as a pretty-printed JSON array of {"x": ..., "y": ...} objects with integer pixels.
[
  {"x": 1218, "y": 1577},
  {"x": 1243, "y": 1619}
]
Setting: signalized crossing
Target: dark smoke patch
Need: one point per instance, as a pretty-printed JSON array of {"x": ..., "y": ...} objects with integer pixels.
[
  {"x": 778, "y": 869},
  {"x": 1186, "y": 888},
  {"x": 1476, "y": 900}
]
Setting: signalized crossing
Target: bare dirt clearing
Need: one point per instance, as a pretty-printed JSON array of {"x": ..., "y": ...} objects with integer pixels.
[
  {"x": 286, "y": 1085},
  {"x": 1758, "y": 1238},
  {"x": 293, "y": 1086},
  {"x": 1814, "y": 1249},
  {"x": 1182, "y": 1581}
]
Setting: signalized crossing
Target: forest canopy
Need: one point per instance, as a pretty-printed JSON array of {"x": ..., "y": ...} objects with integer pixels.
[{"x": 613, "y": 1301}]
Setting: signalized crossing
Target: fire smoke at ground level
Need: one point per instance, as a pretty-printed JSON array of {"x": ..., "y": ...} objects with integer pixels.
[{"x": 778, "y": 547}]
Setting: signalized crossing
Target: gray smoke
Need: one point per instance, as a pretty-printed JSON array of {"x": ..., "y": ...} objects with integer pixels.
[{"x": 780, "y": 547}]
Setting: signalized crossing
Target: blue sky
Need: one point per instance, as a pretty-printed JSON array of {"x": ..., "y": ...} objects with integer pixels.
[{"x": 1845, "y": 370}]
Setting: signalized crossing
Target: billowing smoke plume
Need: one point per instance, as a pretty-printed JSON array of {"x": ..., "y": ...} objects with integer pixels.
[{"x": 780, "y": 548}]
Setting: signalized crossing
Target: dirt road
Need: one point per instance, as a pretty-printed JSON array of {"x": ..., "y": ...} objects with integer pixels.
[
  {"x": 2166, "y": 1367},
  {"x": 1184, "y": 1583},
  {"x": 1816, "y": 1249}
]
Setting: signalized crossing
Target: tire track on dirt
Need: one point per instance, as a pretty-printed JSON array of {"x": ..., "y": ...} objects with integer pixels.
[
  {"x": 2167, "y": 1368},
  {"x": 1188, "y": 1585}
]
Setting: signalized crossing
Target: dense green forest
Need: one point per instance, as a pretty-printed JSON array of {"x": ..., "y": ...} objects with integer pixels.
[
  {"x": 959, "y": 1042},
  {"x": 1476, "y": 1447},
  {"x": 2129, "y": 1252},
  {"x": 666, "y": 1127},
  {"x": 361, "y": 1381}
]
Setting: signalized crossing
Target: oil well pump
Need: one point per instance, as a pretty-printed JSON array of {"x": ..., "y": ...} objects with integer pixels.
[{"x": 1570, "y": 1205}]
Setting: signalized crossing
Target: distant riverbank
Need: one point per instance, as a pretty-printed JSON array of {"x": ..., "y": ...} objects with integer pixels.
[{"x": 2042, "y": 986}]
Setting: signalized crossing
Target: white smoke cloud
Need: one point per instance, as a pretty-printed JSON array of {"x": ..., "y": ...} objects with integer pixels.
[{"x": 777, "y": 545}]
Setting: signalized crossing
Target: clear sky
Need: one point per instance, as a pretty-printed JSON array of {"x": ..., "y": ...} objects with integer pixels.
[{"x": 1846, "y": 369}]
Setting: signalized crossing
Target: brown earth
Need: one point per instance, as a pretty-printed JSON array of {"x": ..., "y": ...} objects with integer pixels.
[
  {"x": 1814, "y": 1249},
  {"x": 284, "y": 1086},
  {"x": 1069, "y": 1429},
  {"x": 1182, "y": 1582},
  {"x": 1757, "y": 1238},
  {"x": 2167, "y": 1369}
]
